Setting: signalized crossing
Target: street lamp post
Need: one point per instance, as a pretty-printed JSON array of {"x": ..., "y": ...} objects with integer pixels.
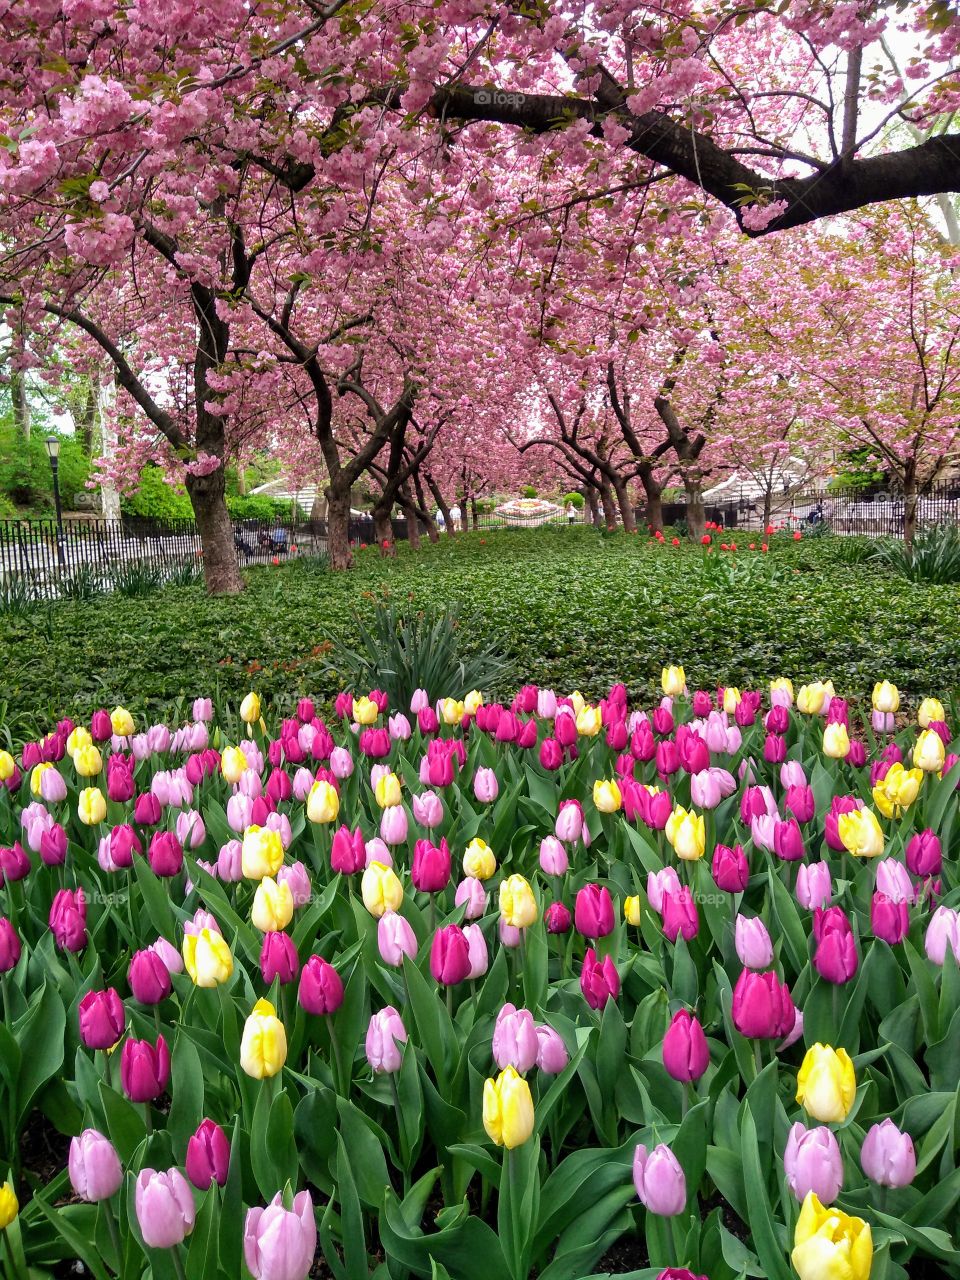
[{"x": 53, "y": 453}]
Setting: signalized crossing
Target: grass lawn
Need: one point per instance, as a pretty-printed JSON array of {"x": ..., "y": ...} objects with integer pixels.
[{"x": 571, "y": 608}]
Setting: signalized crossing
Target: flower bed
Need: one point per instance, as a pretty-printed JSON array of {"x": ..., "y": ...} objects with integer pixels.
[{"x": 465, "y": 989}]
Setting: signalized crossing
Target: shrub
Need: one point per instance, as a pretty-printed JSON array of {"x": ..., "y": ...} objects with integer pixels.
[
  {"x": 155, "y": 498},
  {"x": 18, "y": 594},
  {"x": 934, "y": 556},
  {"x": 528, "y": 491},
  {"x": 25, "y": 479},
  {"x": 137, "y": 578},
  {"x": 576, "y": 499}
]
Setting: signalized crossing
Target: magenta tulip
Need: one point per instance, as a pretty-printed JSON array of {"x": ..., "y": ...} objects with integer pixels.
[
  {"x": 593, "y": 911},
  {"x": 68, "y": 920},
  {"x": 679, "y": 914},
  {"x": 347, "y": 851},
  {"x": 925, "y": 854},
  {"x": 685, "y": 1052},
  {"x": 208, "y": 1156},
  {"x": 762, "y": 1006},
  {"x": 835, "y": 957},
  {"x": 430, "y": 869},
  {"x": 730, "y": 869},
  {"x": 599, "y": 980},
  {"x": 450, "y": 956},
  {"x": 144, "y": 1069},
  {"x": 10, "y": 946},
  {"x": 165, "y": 854},
  {"x": 321, "y": 987},
  {"x": 788, "y": 841},
  {"x": 889, "y": 918},
  {"x": 278, "y": 958},
  {"x": 149, "y": 977},
  {"x": 557, "y": 918}
]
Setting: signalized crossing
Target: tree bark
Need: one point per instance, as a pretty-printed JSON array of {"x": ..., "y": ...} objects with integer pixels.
[
  {"x": 606, "y": 500},
  {"x": 654, "y": 509},
  {"x": 910, "y": 504},
  {"x": 590, "y": 496},
  {"x": 433, "y": 533},
  {"x": 338, "y": 527},
  {"x": 383, "y": 529},
  {"x": 696, "y": 516},
  {"x": 87, "y": 419},
  {"x": 442, "y": 504},
  {"x": 413, "y": 523},
  {"x": 20, "y": 404},
  {"x": 106, "y": 413},
  {"x": 626, "y": 509},
  {"x": 220, "y": 569},
  {"x": 474, "y": 513}
]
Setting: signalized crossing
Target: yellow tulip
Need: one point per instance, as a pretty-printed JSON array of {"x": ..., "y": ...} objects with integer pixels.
[
  {"x": 388, "y": 790},
  {"x": 207, "y": 958},
  {"x": 518, "y": 906},
  {"x": 578, "y": 701},
  {"x": 36, "y": 774},
  {"x": 9, "y": 1205},
  {"x": 836, "y": 741},
  {"x": 685, "y": 831},
  {"x": 589, "y": 722},
  {"x": 451, "y": 711},
  {"x": 121, "y": 722},
  {"x": 631, "y": 910},
  {"x": 897, "y": 790},
  {"x": 91, "y": 806},
  {"x": 826, "y": 1084},
  {"x": 929, "y": 752},
  {"x": 508, "y": 1109},
  {"x": 78, "y": 738},
  {"x": 272, "y": 908},
  {"x": 860, "y": 833},
  {"x": 731, "y": 700},
  {"x": 233, "y": 764},
  {"x": 782, "y": 684},
  {"x": 606, "y": 796},
  {"x": 930, "y": 709},
  {"x": 250, "y": 708},
  {"x": 7, "y": 767},
  {"x": 263, "y": 1046},
  {"x": 886, "y": 696},
  {"x": 365, "y": 710},
  {"x": 87, "y": 760},
  {"x": 811, "y": 697},
  {"x": 478, "y": 860},
  {"x": 380, "y": 889},
  {"x": 261, "y": 853},
  {"x": 472, "y": 701},
  {"x": 323, "y": 803},
  {"x": 829, "y": 1244},
  {"x": 673, "y": 681}
]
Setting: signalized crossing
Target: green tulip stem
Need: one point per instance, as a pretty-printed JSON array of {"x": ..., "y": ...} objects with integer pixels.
[
  {"x": 835, "y": 1001},
  {"x": 156, "y": 1019},
  {"x": 450, "y": 1000},
  {"x": 7, "y": 1019},
  {"x": 12, "y": 905},
  {"x": 15, "y": 1271},
  {"x": 113, "y": 1233},
  {"x": 882, "y": 1200},
  {"x": 684, "y": 1100},
  {"x": 341, "y": 1080},
  {"x": 147, "y": 1118},
  {"x": 433, "y": 914},
  {"x": 758, "y": 1056},
  {"x": 178, "y": 1263}
]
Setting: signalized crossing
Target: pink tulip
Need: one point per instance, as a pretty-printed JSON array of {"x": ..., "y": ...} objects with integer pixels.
[
  {"x": 762, "y": 1007},
  {"x": 924, "y": 854},
  {"x": 144, "y": 1069},
  {"x": 280, "y": 1243},
  {"x": 685, "y": 1052},
  {"x": 476, "y": 950},
  {"x": 788, "y": 841},
  {"x": 889, "y": 918},
  {"x": 659, "y": 1181},
  {"x": 298, "y": 878},
  {"x": 68, "y": 920},
  {"x": 756, "y": 802},
  {"x": 169, "y": 954},
  {"x": 730, "y": 869},
  {"x": 450, "y": 956},
  {"x": 208, "y": 1156},
  {"x": 552, "y": 1055},
  {"x": 428, "y": 809},
  {"x": 102, "y": 1018},
  {"x": 385, "y": 1034},
  {"x": 553, "y": 857},
  {"x": 887, "y": 1156},
  {"x": 53, "y": 846},
  {"x": 551, "y": 754},
  {"x": 557, "y": 918},
  {"x": 812, "y": 1162},
  {"x": 485, "y": 786},
  {"x": 593, "y": 911},
  {"x": 347, "y": 851},
  {"x": 599, "y": 980},
  {"x": 515, "y": 1042},
  {"x": 753, "y": 945},
  {"x": 814, "y": 886},
  {"x": 94, "y": 1167},
  {"x": 164, "y": 1207},
  {"x": 376, "y": 851},
  {"x": 278, "y": 958},
  {"x": 149, "y": 977},
  {"x": 10, "y": 946},
  {"x": 393, "y": 824},
  {"x": 472, "y": 896},
  {"x": 893, "y": 880},
  {"x": 660, "y": 883},
  {"x": 569, "y": 824},
  {"x": 395, "y": 939},
  {"x": 321, "y": 987},
  {"x": 341, "y": 763},
  {"x": 679, "y": 915},
  {"x": 430, "y": 869},
  {"x": 835, "y": 957},
  {"x": 943, "y": 931}
]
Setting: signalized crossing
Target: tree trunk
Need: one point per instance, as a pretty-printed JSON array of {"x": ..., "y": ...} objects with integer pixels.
[
  {"x": 767, "y": 508},
  {"x": 910, "y": 504},
  {"x": 609, "y": 509},
  {"x": 626, "y": 509},
  {"x": 474, "y": 513},
  {"x": 590, "y": 496},
  {"x": 87, "y": 420},
  {"x": 21, "y": 405},
  {"x": 442, "y": 504},
  {"x": 383, "y": 530},
  {"x": 338, "y": 528},
  {"x": 433, "y": 533},
  {"x": 106, "y": 413},
  {"x": 220, "y": 568},
  {"x": 413, "y": 526},
  {"x": 696, "y": 516}
]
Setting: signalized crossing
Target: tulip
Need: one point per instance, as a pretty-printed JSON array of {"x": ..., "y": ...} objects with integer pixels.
[
  {"x": 323, "y": 802},
  {"x": 430, "y": 870},
  {"x": 659, "y": 1180},
  {"x": 164, "y": 1207},
  {"x": 476, "y": 951},
  {"x": 68, "y": 920},
  {"x": 149, "y": 977},
  {"x": 886, "y": 697},
  {"x": 508, "y": 1109},
  {"x": 165, "y": 854},
  {"x": 168, "y": 954},
  {"x": 860, "y": 833},
  {"x": 812, "y": 1162},
  {"x": 685, "y": 1052},
  {"x": 659, "y": 883},
  {"x": 10, "y": 946},
  {"x": 943, "y": 931},
  {"x": 380, "y": 889},
  {"x": 606, "y": 796},
  {"x": 753, "y": 945},
  {"x": 449, "y": 956},
  {"x": 321, "y": 987},
  {"x": 515, "y": 1042},
  {"x": 387, "y": 790},
  {"x": 385, "y": 1034},
  {"x": 552, "y": 1055},
  {"x": 261, "y": 853},
  {"x": 632, "y": 910},
  {"x": 811, "y": 698},
  {"x": 599, "y": 980},
  {"x": 557, "y": 918},
  {"x": 930, "y": 710},
  {"x": 394, "y": 825},
  {"x": 887, "y": 1156},
  {"x": 144, "y": 1069},
  {"x": 395, "y": 939},
  {"x": 94, "y": 1167},
  {"x": 280, "y": 1243},
  {"x": 272, "y": 908},
  {"x": 679, "y": 914},
  {"x": 208, "y": 1156},
  {"x": 730, "y": 869},
  {"x": 207, "y": 958},
  {"x": 518, "y": 906},
  {"x": 826, "y": 1084},
  {"x": 297, "y": 877},
  {"x": 348, "y": 852},
  {"x": 929, "y": 752},
  {"x": 278, "y": 958},
  {"x": 472, "y": 896},
  {"x": 836, "y": 741},
  {"x": 924, "y": 854},
  {"x": 830, "y": 1244},
  {"x": 91, "y": 806},
  {"x": 814, "y": 886},
  {"x": 101, "y": 726},
  {"x": 593, "y": 911},
  {"x": 893, "y": 880},
  {"x": 835, "y": 957},
  {"x": 788, "y": 840},
  {"x": 263, "y": 1045},
  {"x": 485, "y": 786},
  {"x": 53, "y": 846},
  {"x": 762, "y": 1007},
  {"x": 553, "y": 857},
  {"x": 673, "y": 681},
  {"x": 897, "y": 790},
  {"x": 799, "y": 800},
  {"x": 685, "y": 831}
]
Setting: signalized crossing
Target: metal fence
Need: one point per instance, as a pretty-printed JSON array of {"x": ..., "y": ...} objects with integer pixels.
[{"x": 870, "y": 512}]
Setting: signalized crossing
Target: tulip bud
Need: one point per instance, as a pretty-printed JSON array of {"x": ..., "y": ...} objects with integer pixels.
[
  {"x": 924, "y": 854},
  {"x": 515, "y": 1042},
  {"x": 557, "y": 918},
  {"x": 659, "y": 1181},
  {"x": 94, "y": 1167},
  {"x": 814, "y": 886},
  {"x": 508, "y": 1109},
  {"x": 762, "y": 1007},
  {"x": 812, "y": 1162},
  {"x": 753, "y": 945},
  {"x": 102, "y": 1019},
  {"x": 593, "y": 911},
  {"x": 164, "y": 1207},
  {"x": 144, "y": 1069},
  {"x": 887, "y": 1156},
  {"x": 321, "y": 987},
  {"x": 278, "y": 958},
  {"x": 685, "y": 1052},
  {"x": 385, "y": 1034},
  {"x": 208, "y": 1156},
  {"x": 730, "y": 869},
  {"x": 518, "y": 906},
  {"x": 599, "y": 980},
  {"x": 472, "y": 896},
  {"x": 449, "y": 956},
  {"x": 149, "y": 977},
  {"x": 263, "y": 1045},
  {"x": 10, "y": 946},
  {"x": 826, "y": 1084}
]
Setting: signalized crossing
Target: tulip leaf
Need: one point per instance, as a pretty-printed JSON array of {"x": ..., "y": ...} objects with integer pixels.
[
  {"x": 273, "y": 1153},
  {"x": 589, "y": 1236},
  {"x": 788, "y": 918},
  {"x": 203, "y": 1245},
  {"x": 155, "y": 898},
  {"x": 536, "y": 956},
  {"x": 943, "y": 791},
  {"x": 186, "y": 1106},
  {"x": 364, "y": 1141},
  {"x": 467, "y": 1247},
  {"x": 125, "y": 1124},
  {"x": 726, "y": 1169},
  {"x": 434, "y": 1028},
  {"x": 769, "y": 1249},
  {"x": 78, "y": 1238},
  {"x": 41, "y": 1031},
  {"x": 926, "y": 991}
]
